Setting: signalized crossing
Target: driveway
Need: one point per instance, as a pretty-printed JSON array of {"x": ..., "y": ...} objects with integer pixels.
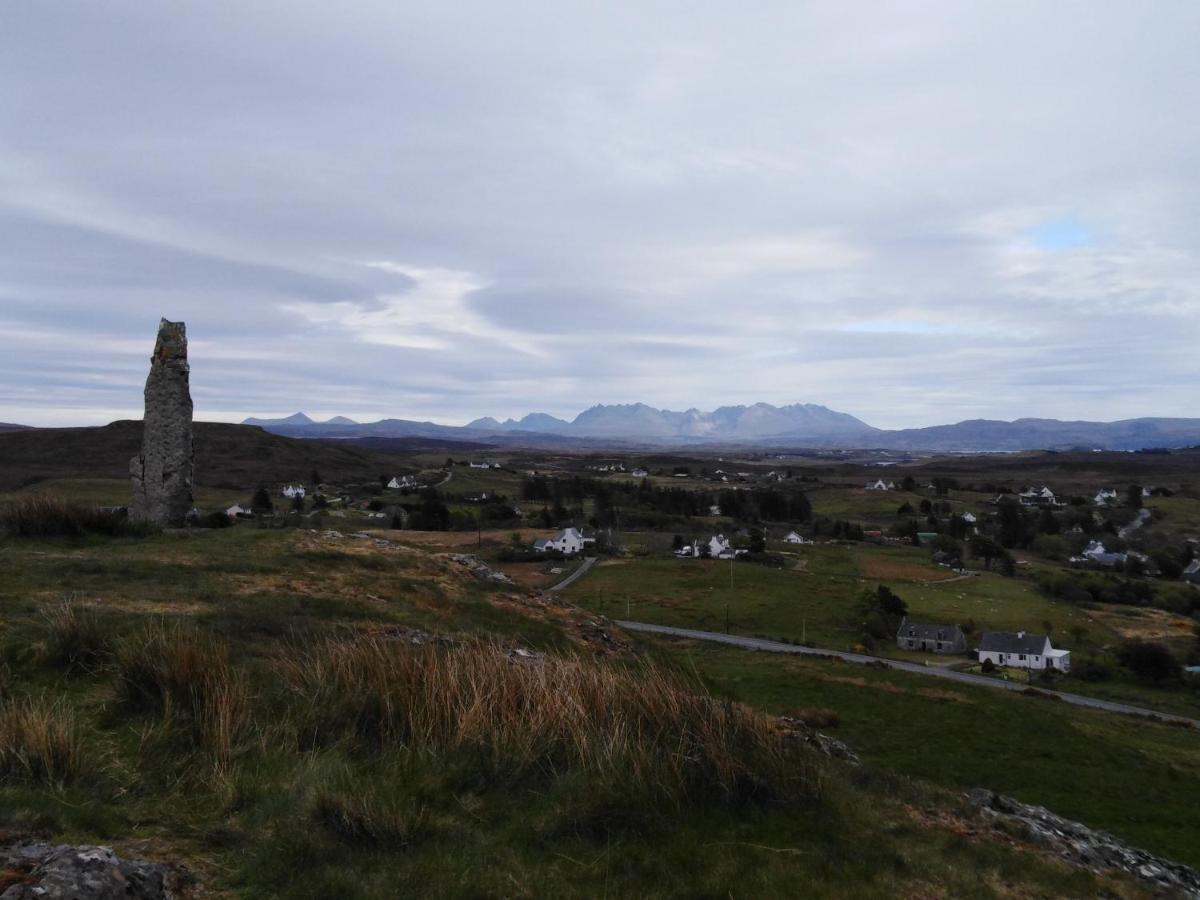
[
  {"x": 933, "y": 671},
  {"x": 578, "y": 573}
]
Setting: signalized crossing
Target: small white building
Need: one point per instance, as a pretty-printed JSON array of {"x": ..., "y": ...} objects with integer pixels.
[
  {"x": 568, "y": 542},
  {"x": 236, "y": 510},
  {"x": 880, "y": 485},
  {"x": 1038, "y": 496},
  {"x": 399, "y": 483},
  {"x": 1096, "y": 553},
  {"x": 969, "y": 518},
  {"x": 292, "y": 491},
  {"x": 793, "y": 537},
  {"x": 639, "y": 473},
  {"x": 1105, "y": 496},
  {"x": 1022, "y": 650}
]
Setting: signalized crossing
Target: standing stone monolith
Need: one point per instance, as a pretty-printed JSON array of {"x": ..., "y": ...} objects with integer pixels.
[{"x": 162, "y": 475}]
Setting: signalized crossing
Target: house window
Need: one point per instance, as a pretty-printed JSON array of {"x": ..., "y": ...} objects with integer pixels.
[{"x": 1021, "y": 656}]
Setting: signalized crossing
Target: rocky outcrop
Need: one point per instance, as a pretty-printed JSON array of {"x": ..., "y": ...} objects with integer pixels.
[
  {"x": 1082, "y": 846},
  {"x": 161, "y": 475},
  {"x": 480, "y": 569},
  {"x": 62, "y": 872}
]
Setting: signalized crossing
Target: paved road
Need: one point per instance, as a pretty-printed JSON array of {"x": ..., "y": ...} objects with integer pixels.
[
  {"x": 750, "y": 643},
  {"x": 578, "y": 573}
]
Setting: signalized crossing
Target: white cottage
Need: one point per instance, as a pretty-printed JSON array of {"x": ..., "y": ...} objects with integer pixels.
[
  {"x": 292, "y": 491},
  {"x": 1022, "y": 650},
  {"x": 568, "y": 542},
  {"x": 794, "y": 537}
]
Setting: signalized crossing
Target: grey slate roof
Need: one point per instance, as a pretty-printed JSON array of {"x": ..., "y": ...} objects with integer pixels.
[
  {"x": 1013, "y": 642},
  {"x": 925, "y": 632}
]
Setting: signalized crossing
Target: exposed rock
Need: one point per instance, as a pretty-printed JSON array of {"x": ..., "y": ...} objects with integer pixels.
[
  {"x": 62, "y": 872},
  {"x": 161, "y": 475},
  {"x": 803, "y": 733},
  {"x": 480, "y": 569},
  {"x": 1082, "y": 846}
]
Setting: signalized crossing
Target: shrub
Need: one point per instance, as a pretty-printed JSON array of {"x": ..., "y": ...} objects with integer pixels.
[
  {"x": 1149, "y": 661},
  {"x": 562, "y": 714},
  {"x": 988, "y": 666},
  {"x": 39, "y": 741},
  {"x": 76, "y": 642},
  {"x": 182, "y": 672},
  {"x": 216, "y": 519}
]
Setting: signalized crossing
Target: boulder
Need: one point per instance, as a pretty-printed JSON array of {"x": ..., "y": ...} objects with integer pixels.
[{"x": 63, "y": 872}]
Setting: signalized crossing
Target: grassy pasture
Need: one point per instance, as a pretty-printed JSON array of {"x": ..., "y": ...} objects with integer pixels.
[{"x": 1133, "y": 778}]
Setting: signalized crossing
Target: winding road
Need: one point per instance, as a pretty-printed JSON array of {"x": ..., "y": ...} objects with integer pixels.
[
  {"x": 578, "y": 573},
  {"x": 750, "y": 643}
]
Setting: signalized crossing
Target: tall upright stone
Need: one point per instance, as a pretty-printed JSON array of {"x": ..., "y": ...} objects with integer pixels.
[{"x": 161, "y": 475}]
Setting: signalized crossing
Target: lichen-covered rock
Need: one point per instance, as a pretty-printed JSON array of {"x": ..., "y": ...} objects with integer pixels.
[
  {"x": 62, "y": 872},
  {"x": 161, "y": 475},
  {"x": 1083, "y": 846}
]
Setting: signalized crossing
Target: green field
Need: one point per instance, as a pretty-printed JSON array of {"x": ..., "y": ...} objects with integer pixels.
[
  {"x": 1136, "y": 779},
  {"x": 819, "y": 602}
]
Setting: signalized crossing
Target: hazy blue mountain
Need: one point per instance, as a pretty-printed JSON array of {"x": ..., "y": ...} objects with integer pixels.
[
  {"x": 760, "y": 424},
  {"x": 295, "y": 419}
]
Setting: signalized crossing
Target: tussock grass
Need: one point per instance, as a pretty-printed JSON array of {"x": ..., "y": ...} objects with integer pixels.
[
  {"x": 39, "y": 741},
  {"x": 185, "y": 673},
  {"x": 364, "y": 819},
  {"x": 76, "y": 643},
  {"x": 641, "y": 727},
  {"x": 45, "y": 516}
]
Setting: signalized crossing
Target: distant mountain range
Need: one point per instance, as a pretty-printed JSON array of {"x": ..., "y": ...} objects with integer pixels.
[
  {"x": 8, "y": 426},
  {"x": 799, "y": 425}
]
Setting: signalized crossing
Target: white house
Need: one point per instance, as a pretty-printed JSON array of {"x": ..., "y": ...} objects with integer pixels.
[
  {"x": 714, "y": 510},
  {"x": 881, "y": 485},
  {"x": 1105, "y": 496},
  {"x": 405, "y": 482},
  {"x": 293, "y": 490},
  {"x": 234, "y": 511},
  {"x": 639, "y": 473},
  {"x": 793, "y": 537},
  {"x": 1096, "y": 553},
  {"x": 1192, "y": 572},
  {"x": 1022, "y": 650},
  {"x": 1037, "y": 496},
  {"x": 719, "y": 547},
  {"x": 568, "y": 542}
]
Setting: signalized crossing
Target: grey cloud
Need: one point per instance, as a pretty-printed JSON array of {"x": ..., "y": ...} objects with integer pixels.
[{"x": 722, "y": 206}]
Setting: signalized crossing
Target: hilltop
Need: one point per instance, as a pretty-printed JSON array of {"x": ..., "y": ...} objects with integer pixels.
[{"x": 226, "y": 455}]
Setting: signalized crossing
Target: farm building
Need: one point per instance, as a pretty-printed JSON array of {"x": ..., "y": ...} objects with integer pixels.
[
  {"x": 1022, "y": 650},
  {"x": 931, "y": 638}
]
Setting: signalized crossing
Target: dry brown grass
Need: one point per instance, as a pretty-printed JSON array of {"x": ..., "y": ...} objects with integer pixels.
[
  {"x": 75, "y": 641},
  {"x": 39, "y": 740},
  {"x": 643, "y": 727},
  {"x": 887, "y": 569},
  {"x": 181, "y": 672}
]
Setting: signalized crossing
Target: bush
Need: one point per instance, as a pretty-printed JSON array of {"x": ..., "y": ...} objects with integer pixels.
[
  {"x": 217, "y": 519},
  {"x": 562, "y": 714},
  {"x": 988, "y": 666},
  {"x": 1149, "y": 661},
  {"x": 39, "y": 741}
]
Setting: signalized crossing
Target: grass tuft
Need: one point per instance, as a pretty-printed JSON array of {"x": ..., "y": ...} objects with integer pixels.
[
  {"x": 46, "y": 516},
  {"x": 642, "y": 727},
  {"x": 185, "y": 673},
  {"x": 76, "y": 643},
  {"x": 39, "y": 741},
  {"x": 361, "y": 819}
]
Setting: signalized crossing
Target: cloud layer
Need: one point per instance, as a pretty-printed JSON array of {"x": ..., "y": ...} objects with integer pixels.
[{"x": 915, "y": 214}]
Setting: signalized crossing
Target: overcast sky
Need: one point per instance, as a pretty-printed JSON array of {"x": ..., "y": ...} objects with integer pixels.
[{"x": 912, "y": 212}]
